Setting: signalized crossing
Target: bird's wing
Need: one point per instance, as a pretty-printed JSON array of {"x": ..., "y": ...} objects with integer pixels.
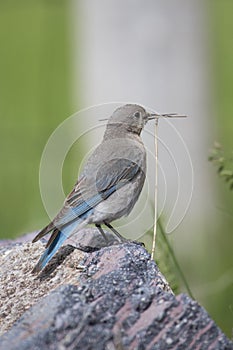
[
  {"x": 111, "y": 176},
  {"x": 88, "y": 193}
]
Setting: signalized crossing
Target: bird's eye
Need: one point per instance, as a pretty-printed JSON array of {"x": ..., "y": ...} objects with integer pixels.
[{"x": 137, "y": 114}]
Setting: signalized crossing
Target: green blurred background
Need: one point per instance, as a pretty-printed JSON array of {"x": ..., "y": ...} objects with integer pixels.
[
  {"x": 36, "y": 83},
  {"x": 35, "y": 96}
]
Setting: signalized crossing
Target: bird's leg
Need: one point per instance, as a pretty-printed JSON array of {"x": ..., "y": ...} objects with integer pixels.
[
  {"x": 122, "y": 239},
  {"x": 101, "y": 231}
]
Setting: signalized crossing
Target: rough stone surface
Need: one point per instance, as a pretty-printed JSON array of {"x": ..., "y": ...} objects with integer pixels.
[
  {"x": 115, "y": 298},
  {"x": 20, "y": 289}
]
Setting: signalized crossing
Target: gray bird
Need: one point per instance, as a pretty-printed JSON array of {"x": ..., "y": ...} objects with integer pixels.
[{"x": 109, "y": 185}]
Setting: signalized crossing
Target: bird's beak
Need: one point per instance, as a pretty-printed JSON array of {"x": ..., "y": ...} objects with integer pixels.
[{"x": 165, "y": 115}]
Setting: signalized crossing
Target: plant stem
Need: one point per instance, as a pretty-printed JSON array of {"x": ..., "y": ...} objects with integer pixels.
[{"x": 175, "y": 260}]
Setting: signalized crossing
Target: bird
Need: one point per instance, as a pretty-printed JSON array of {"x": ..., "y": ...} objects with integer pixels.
[{"x": 109, "y": 185}]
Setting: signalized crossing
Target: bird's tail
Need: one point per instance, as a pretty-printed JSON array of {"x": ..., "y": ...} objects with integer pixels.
[{"x": 55, "y": 244}]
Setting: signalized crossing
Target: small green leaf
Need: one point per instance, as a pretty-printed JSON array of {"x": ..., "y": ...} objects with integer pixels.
[
  {"x": 220, "y": 169},
  {"x": 226, "y": 173}
]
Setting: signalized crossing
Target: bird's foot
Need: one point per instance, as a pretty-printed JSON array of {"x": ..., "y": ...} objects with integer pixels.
[
  {"x": 125, "y": 240},
  {"x": 136, "y": 242}
]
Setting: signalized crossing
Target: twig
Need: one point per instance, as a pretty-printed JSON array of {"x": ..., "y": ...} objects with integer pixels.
[
  {"x": 156, "y": 189},
  {"x": 156, "y": 116}
]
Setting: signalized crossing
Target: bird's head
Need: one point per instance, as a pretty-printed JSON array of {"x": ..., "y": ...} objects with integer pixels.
[{"x": 129, "y": 118}]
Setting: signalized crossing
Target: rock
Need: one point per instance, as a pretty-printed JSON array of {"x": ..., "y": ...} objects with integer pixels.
[{"x": 113, "y": 298}]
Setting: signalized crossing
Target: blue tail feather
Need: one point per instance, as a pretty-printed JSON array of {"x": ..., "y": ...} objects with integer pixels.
[{"x": 54, "y": 246}]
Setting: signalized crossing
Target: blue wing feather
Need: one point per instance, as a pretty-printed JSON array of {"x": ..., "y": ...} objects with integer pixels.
[{"x": 110, "y": 177}]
